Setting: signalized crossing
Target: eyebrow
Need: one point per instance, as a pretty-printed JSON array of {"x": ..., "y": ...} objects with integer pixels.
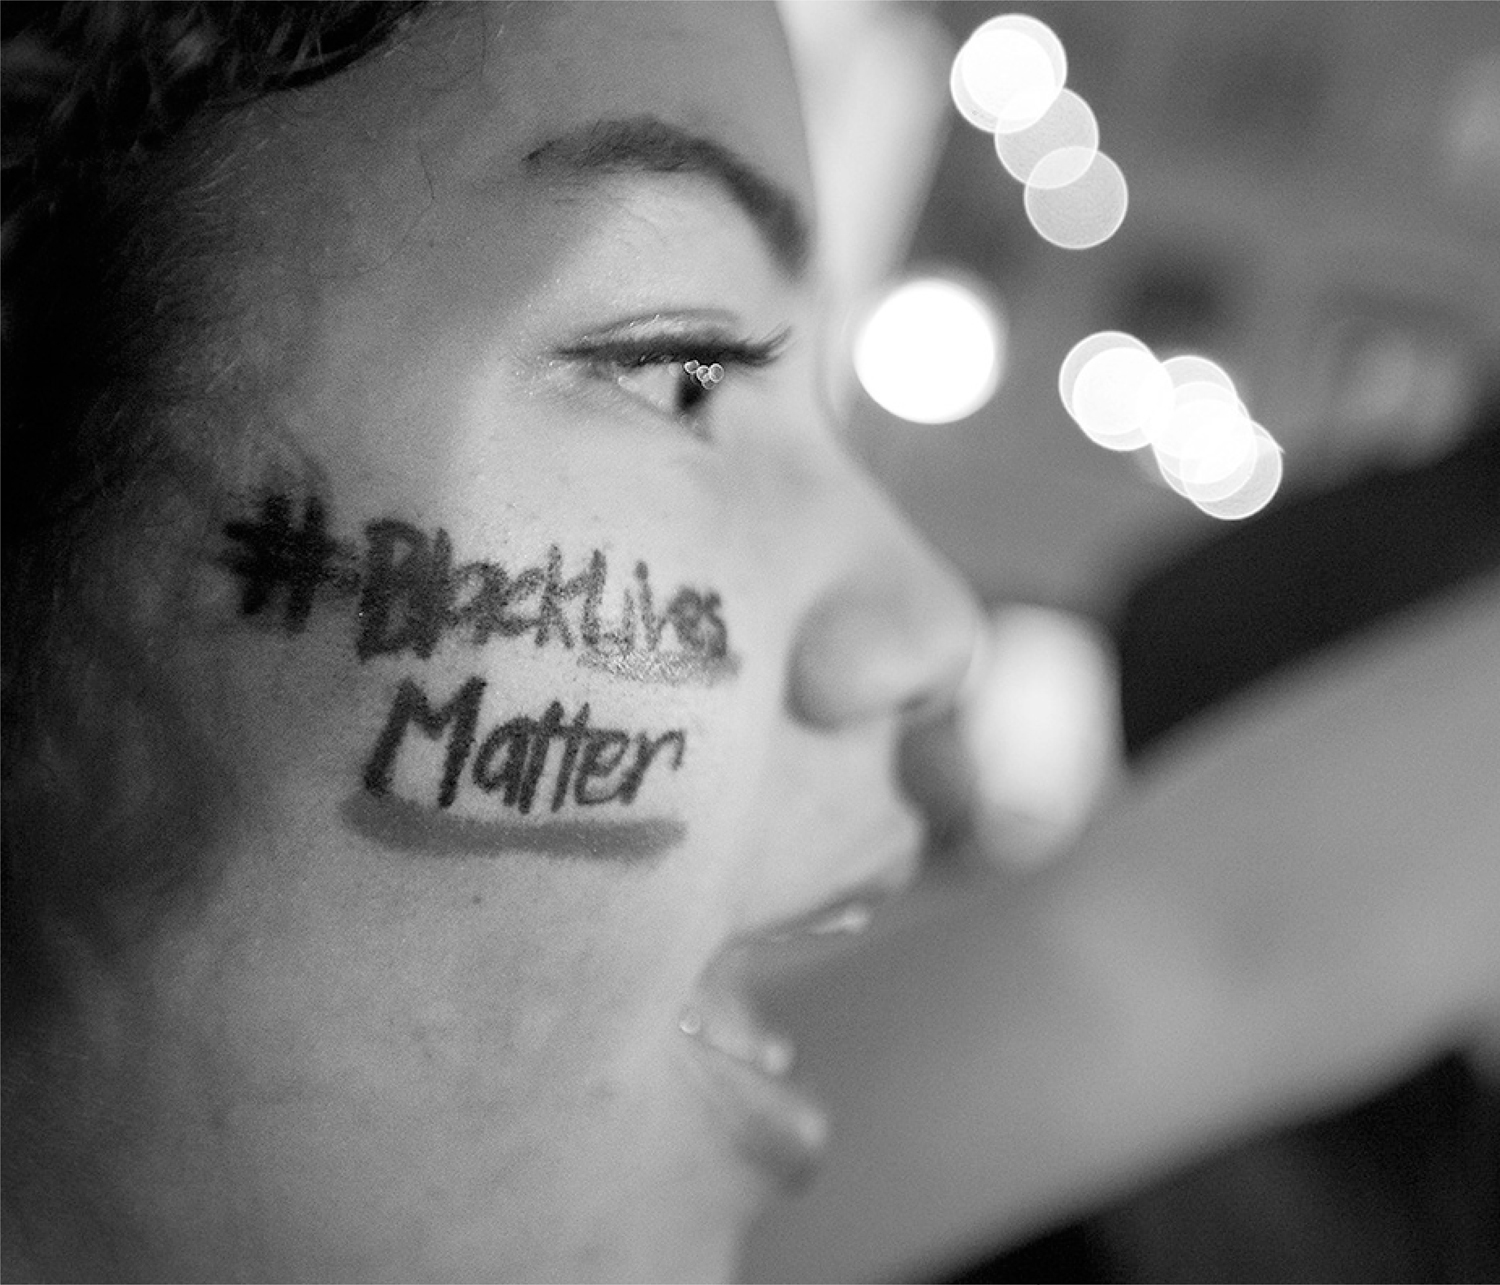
[{"x": 649, "y": 145}]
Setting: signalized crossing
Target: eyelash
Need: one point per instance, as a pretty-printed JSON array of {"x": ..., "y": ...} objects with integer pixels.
[{"x": 697, "y": 364}]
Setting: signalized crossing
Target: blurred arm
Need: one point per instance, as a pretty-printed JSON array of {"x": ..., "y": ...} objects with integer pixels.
[{"x": 1297, "y": 899}]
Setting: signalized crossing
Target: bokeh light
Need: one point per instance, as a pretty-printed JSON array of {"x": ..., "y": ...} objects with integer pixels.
[
  {"x": 1008, "y": 79},
  {"x": 1187, "y": 409},
  {"x": 1205, "y": 447},
  {"x": 1069, "y": 122},
  {"x": 1259, "y": 487},
  {"x": 1040, "y": 724},
  {"x": 1076, "y": 211},
  {"x": 1194, "y": 368},
  {"x": 932, "y": 351},
  {"x": 967, "y": 107},
  {"x": 1080, "y": 354},
  {"x": 1008, "y": 73},
  {"x": 1115, "y": 389}
]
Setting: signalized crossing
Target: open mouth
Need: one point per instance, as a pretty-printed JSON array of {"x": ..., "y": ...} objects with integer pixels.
[
  {"x": 743, "y": 1066},
  {"x": 773, "y": 1124}
]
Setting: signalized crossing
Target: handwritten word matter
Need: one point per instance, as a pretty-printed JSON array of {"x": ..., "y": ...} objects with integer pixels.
[
  {"x": 514, "y": 760},
  {"x": 412, "y": 594}
]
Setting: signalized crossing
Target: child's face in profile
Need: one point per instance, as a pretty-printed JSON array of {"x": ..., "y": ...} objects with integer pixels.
[{"x": 557, "y": 648}]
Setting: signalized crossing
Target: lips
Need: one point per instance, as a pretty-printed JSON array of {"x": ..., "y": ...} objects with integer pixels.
[{"x": 742, "y": 1066}]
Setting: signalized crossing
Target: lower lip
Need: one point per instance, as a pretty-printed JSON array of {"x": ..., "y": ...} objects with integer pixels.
[{"x": 778, "y": 1128}]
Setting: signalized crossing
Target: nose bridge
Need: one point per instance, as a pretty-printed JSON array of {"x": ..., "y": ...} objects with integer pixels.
[{"x": 894, "y": 629}]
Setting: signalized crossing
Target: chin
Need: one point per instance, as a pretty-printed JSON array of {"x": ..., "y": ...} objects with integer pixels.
[
  {"x": 691, "y": 1239},
  {"x": 692, "y": 1228}
]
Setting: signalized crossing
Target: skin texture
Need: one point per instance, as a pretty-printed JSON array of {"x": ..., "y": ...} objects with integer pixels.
[{"x": 358, "y": 1053}]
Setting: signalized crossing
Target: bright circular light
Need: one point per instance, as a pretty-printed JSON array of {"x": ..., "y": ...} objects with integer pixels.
[
  {"x": 1257, "y": 490},
  {"x": 932, "y": 351},
  {"x": 970, "y": 110},
  {"x": 1008, "y": 73},
  {"x": 1177, "y": 418},
  {"x": 1080, "y": 354},
  {"x": 1207, "y": 449},
  {"x": 1203, "y": 442},
  {"x": 1119, "y": 394},
  {"x": 1040, "y": 724},
  {"x": 1203, "y": 437},
  {"x": 1082, "y": 213},
  {"x": 1069, "y": 122},
  {"x": 1192, "y": 368}
]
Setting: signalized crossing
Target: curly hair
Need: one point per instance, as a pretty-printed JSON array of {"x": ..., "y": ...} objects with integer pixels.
[
  {"x": 102, "y": 294},
  {"x": 91, "y": 93}
]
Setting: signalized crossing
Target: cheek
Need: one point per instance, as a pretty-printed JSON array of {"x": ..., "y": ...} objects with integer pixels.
[
  {"x": 572, "y": 735},
  {"x": 485, "y": 823}
]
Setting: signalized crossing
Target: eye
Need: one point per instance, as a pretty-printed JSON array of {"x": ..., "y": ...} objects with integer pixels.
[
  {"x": 679, "y": 388},
  {"x": 675, "y": 375}
]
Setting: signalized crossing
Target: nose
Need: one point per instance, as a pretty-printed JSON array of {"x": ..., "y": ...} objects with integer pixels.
[{"x": 894, "y": 633}]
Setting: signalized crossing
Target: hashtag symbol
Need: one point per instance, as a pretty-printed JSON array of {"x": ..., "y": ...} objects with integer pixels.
[{"x": 275, "y": 553}]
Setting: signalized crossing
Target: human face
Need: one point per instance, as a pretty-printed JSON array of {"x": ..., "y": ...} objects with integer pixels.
[{"x": 558, "y": 676}]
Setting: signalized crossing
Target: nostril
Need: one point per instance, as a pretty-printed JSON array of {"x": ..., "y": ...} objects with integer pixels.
[
  {"x": 969, "y": 653},
  {"x": 937, "y": 775}
]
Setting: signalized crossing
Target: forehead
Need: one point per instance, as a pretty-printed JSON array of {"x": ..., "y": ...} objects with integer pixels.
[
  {"x": 717, "y": 69},
  {"x": 480, "y": 86}
]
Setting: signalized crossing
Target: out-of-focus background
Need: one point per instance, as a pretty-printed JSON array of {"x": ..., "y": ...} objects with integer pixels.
[{"x": 1314, "y": 204}]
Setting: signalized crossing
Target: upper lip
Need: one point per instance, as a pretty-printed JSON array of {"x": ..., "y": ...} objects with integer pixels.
[
  {"x": 846, "y": 911},
  {"x": 758, "y": 951},
  {"x": 845, "y": 908}
]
